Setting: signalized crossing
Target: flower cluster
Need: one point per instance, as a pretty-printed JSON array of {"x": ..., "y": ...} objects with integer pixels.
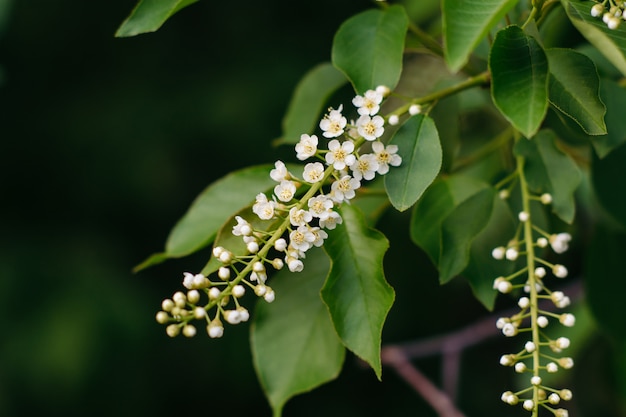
[
  {"x": 541, "y": 353},
  {"x": 289, "y": 222},
  {"x": 610, "y": 11}
]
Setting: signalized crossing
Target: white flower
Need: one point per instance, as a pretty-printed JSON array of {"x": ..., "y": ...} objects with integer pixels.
[
  {"x": 307, "y": 147},
  {"x": 386, "y": 156},
  {"x": 520, "y": 367},
  {"x": 232, "y": 316},
  {"x": 333, "y": 123},
  {"x": 498, "y": 253},
  {"x": 393, "y": 119},
  {"x": 370, "y": 128},
  {"x": 331, "y": 221},
  {"x": 280, "y": 245},
  {"x": 552, "y": 367},
  {"x": 242, "y": 228},
  {"x": 320, "y": 206},
  {"x": 523, "y": 302},
  {"x": 269, "y": 295},
  {"x": 279, "y": 173},
  {"x": 562, "y": 343},
  {"x": 535, "y": 380},
  {"x": 320, "y": 235},
  {"x": 546, "y": 198},
  {"x": 285, "y": 190},
  {"x": 313, "y": 172},
  {"x": 340, "y": 154},
  {"x": 523, "y": 216},
  {"x": 528, "y": 405},
  {"x": 295, "y": 265},
  {"x": 299, "y": 217},
  {"x": 368, "y": 103},
  {"x": 530, "y": 346},
  {"x": 597, "y": 10},
  {"x": 559, "y": 271},
  {"x": 509, "y": 330},
  {"x": 239, "y": 291},
  {"x": 542, "y": 321},
  {"x": 301, "y": 238},
  {"x": 511, "y": 254},
  {"x": 567, "y": 320},
  {"x": 263, "y": 207},
  {"x": 365, "y": 167},
  {"x": 215, "y": 329},
  {"x": 344, "y": 188},
  {"x": 559, "y": 242},
  {"x": 540, "y": 272},
  {"x": 190, "y": 280}
]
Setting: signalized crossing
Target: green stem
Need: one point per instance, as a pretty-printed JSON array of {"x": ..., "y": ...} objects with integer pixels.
[
  {"x": 426, "y": 40},
  {"x": 530, "y": 262},
  {"x": 480, "y": 79},
  {"x": 484, "y": 150}
]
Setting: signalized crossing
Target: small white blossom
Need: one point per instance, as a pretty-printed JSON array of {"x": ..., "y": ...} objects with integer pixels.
[
  {"x": 523, "y": 216},
  {"x": 566, "y": 363},
  {"x": 263, "y": 207},
  {"x": 383, "y": 89},
  {"x": 504, "y": 194},
  {"x": 368, "y": 103},
  {"x": 509, "y": 330},
  {"x": 280, "y": 244},
  {"x": 285, "y": 190},
  {"x": 162, "y": 317},
  {"x": 370, "y": 128},
  {"x": 567, "y": 320},
  {"x": 542, "y": 321},
  {"x": 530, "y": 346},
  {"x": 279, "y": 173},
  {"x": 546, "y": 198},
  {"x": 278, "y": 264},
  {"x": 511, "y": 254},
  {"x": 232, "y": 316},
  {"x": 301, "y": 238},
  {"x": 344, "y": 188},
  {"x": 365, "y": 167},
  {"x": 313, "y": 172},
  {"x": 172, "y": 330},
  {"x": 223, "y": 273},
  {"x": 523, "y": 302},
  {"x": 393, "y": 119},
  {"x": 214, "y": 293},
  {"x": 542, "y": 242},
  {"x": 562, "y": 343},
  {"x": 299, "y": 217},
  {"x": 215, "y": 329},
  {"x": 535, "y": 380},
  {"x": 559, "y": 271},
  {"x": 386, "y": 156},
  {"x": 520, "y": 367},
  {"x": 295, "y": 265},
  {"x": 340, "y": 154},
  {"x": 242, "y": 228},
  {"x": 307, "y": 147},
  {"x": 252, "y": 246},
  {"x": 554, "y": 398},
  {"x": 331, "y": 221},
  {"x": 320, "y": 206},
  {"x": 333, "y": 123},
  {"x": 269, "y": 295},
  {"x": 528, "y": 405},
  {"x": 320, "y": 236},
  {"x": 597, "y": 10},
  {"x": 540, "y": 272},
  {"x": 552, "y": 368},
  {"x": 507, "y": 360}
]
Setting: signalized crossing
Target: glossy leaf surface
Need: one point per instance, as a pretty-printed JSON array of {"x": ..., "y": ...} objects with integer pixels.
[
  {"x": 356, "y": 292},
  {"x": 519, "y": 86},
  {"x": 294, "y": 344},
  {"x": 149, "y": 16},
  {"x": 466, "y": 23},
  {"x": 574, "y": 89},
  {"x": 418, "y": 145},
  {"x": 368, "y": 48},
  {"x": 308, "y": 101}
]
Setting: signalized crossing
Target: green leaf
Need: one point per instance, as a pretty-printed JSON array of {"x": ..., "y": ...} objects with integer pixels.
[
  {"x": 459, "y": 230},
  {"x": 435, "y": 206},
  {"x": 549, "y": 170},
  {"x": 308, "y": 101},
  {"x": 418, "y": 145},
  {"x": 612, "y": 43},
  {"x": 604, "y": 281},
  {"x": 482, "y": 268},
  {"x": 294, "y": 344},
  {"x": 609, "y": 182},
  {"x": 574, "y": 89},
  {"x": 614, "y": 96},
  {"x": 211, "y": 209},
  {"x": 466, "y": 23},
  {"x": 149, "y": 15},
  {"x": 356, "y": 292},
  {"x": 368, "y": 48},
  {"x": 519, "y": 85}
]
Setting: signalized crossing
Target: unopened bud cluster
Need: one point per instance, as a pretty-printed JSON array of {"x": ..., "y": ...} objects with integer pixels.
[
  {"x": 297, "y": 214},
  {"x": 540, "y": 354},
  {"x": 610, "y": 11}
]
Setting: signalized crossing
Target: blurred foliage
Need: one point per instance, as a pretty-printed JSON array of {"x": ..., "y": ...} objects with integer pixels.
[{"x": 104, "y": 143}]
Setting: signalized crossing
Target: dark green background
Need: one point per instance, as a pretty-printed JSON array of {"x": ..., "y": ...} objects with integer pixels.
[{"x": 104, "y": 144}]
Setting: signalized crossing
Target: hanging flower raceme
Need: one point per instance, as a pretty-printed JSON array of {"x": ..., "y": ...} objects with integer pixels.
[
  {"x": 540, "y": 353},
  {"x": 610, "y": 11},
  {"x": 295, "y": 218}
]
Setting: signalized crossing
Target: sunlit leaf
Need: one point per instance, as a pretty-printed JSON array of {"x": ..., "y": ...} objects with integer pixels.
[
  {"x": 612, "y": 43},
  {"x": 549, "y": 170},
  {"x": 459, "y": 230},
  {"x": 574, "y": 89},
  {"x": 435, "y": 206},
  {"x": 356, "y": 292},
  {"x": 466, "y": 23},
  {"x": 418, "y": 145},
  {"x": 609, "y": 182},
  {"x": 149, "y": 15},
  {"x": 519, "y": 85},
  {"x": 308, "y": 101},
  {"x": 294, "y": 344},
  {"x": 368, "y": 48}
]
